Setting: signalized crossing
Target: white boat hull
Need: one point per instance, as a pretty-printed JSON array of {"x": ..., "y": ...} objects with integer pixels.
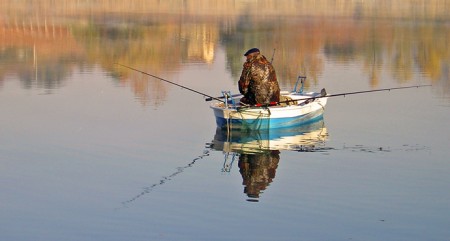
[{"x": 255, "y": 118}]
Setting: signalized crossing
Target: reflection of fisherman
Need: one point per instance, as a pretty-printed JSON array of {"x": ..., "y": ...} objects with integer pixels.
[
  {"x": 258, "y": 82},
  {"x": 258, "y": 171}
]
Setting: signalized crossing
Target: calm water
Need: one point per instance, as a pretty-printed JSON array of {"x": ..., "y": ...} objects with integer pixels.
[{"x": 92, "y": 151}]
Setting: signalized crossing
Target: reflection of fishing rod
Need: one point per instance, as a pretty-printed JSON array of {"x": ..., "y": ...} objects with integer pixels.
[
  {"x": 170, "y": 82},
  {"x": 323, "y": 94},
  {"x": 165, "y": 179}
]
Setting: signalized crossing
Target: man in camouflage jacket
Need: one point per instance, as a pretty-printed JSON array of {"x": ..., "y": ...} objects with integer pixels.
[{"x": 258, "y": 82}]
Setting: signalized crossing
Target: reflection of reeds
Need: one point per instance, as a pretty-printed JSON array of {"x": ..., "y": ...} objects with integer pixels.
[
  {"x": 50, "y": 39},
  {"x": 417, "y": 9},
  {"x": 40, "y": 55}
]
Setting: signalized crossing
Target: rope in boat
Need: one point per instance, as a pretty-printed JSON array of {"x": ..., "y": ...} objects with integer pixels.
[{"x": 246, "y": 122}]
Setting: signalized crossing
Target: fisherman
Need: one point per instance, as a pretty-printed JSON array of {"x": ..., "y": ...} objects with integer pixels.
[{"x": 258, "y": 82}]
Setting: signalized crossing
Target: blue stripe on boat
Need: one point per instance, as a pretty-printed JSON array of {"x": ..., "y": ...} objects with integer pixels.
[{"x": 266, "y": 123}]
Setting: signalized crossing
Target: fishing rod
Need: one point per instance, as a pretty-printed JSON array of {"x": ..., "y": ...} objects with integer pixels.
[
  {"x": 170, "y": 82},
  {"x": 325, "y": 95},
  {"x": 377, "y": 90},
  {"x": 222, "y": 97},
  {"x": 271, "y": 60}
]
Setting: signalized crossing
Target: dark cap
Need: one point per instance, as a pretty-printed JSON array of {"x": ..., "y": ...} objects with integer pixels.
[{"x": 253, "y": 50}]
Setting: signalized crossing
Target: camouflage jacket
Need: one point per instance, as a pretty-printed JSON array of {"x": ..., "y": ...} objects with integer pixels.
[{"x": 258, "y": 82}]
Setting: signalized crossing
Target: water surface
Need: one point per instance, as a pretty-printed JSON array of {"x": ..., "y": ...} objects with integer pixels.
[{"x": 92, "y": 151}]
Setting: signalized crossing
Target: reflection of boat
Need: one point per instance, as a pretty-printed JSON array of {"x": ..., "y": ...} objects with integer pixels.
[
  {"x": 258, "y": 151},
  {"x": 294, "y": 108},
  {"x": 300, "y": 138}
]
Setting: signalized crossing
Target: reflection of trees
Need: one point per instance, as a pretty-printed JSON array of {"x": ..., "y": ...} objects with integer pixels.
[
  {"x": 400, "y": 47},
  {"x": 152, "y": 47},
  {"x": 161, "y": 43},
  {"x": 372, "y": 56},
  {"x": 49, "y": 76},
  {"x": 40, "y": 56},
  {"x": 148, "y": 48},
  {"x": 433, "y": 52},
  {"x": 296, "y": 43}
]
